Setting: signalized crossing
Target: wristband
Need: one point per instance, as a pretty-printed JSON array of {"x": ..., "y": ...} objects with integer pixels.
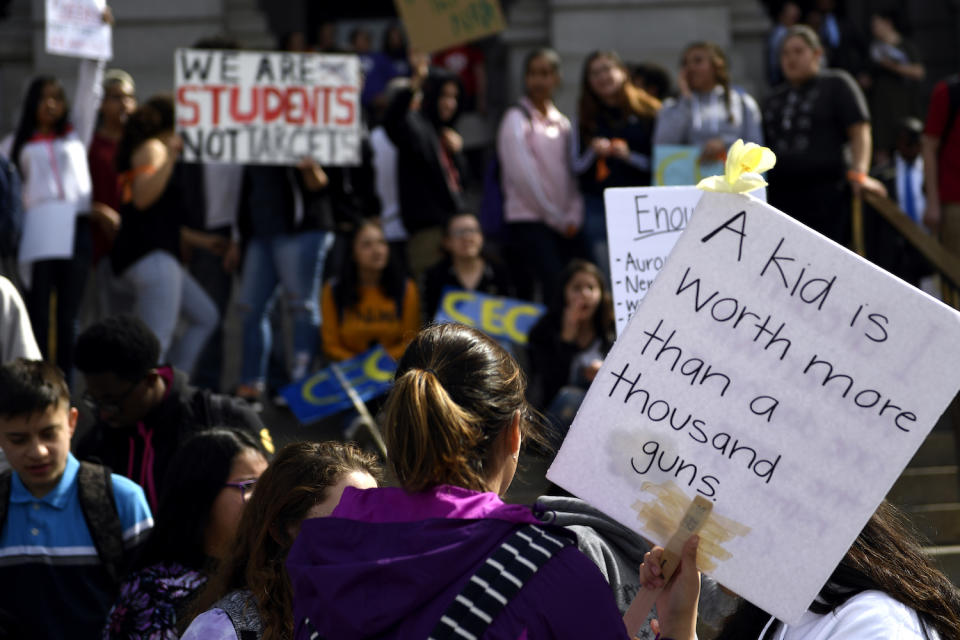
[{"x": 856, "y": 176}]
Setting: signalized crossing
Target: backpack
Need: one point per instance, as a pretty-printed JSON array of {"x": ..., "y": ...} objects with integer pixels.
[
  {"x": 11, "y": 208},
  {"x": 491, "y": 204},
  {"x": 95, "y": 491}
]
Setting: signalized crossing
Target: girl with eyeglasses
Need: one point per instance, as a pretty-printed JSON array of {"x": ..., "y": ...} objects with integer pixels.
[
  {"x": 206, "y": 489},
  {"x": 465, "y": 265}
]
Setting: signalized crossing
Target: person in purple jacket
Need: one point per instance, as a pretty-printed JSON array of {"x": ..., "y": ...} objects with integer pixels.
[{"x": 442, "y": 555}]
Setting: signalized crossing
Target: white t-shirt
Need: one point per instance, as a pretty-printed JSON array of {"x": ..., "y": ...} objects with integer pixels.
[{"x": 871, "y": 615}]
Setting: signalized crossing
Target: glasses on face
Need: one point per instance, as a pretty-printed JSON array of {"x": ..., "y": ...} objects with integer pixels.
[
  {"x": 463, "y": 233},
  {"x": 112, "y": 406},
  {"x": 245, "y": 486}
]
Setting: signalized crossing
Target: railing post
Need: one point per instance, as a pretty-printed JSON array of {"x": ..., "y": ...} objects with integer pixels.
[{"x": 856, "y": 225}]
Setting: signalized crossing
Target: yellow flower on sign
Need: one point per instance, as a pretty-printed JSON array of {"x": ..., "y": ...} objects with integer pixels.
[{"x": 745, "y": 163}]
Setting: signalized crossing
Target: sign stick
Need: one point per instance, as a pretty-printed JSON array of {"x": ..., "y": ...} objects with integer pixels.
[
  {"x": 361, "y": 408},
  {"x": 691, "y": 523}
]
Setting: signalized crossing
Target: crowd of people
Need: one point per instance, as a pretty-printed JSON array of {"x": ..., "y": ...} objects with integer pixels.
[{"x": 173, "y": 516}]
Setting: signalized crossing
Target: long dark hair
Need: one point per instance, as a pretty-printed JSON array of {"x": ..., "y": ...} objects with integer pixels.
[
  {"x": 432, "y": 88},
  {"x": 151, "y": 119},
  {"x": 887, "y": 557},
  {"x": 632, "y": 99},
  {"x": 296, "y": 480},
  {"x": 603, "y": 324},
  {"x": 346, "y": 289},
  {"x": 455, "y": 391},
  {"x": 27, "y": 126},
  {"x": 192, "y": 482}
]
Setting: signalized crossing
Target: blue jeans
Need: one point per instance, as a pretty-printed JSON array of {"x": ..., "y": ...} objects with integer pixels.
[{"x": 294, "y": 261}]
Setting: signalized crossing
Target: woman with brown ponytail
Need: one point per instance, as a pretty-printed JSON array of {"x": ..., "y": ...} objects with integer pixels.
[
  {"x": 709, "y": 113},
  {"x": 442, "y": 555}
]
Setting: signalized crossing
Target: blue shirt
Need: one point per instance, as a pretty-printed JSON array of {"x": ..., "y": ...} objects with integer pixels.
[{"x": 51, "y": 578}]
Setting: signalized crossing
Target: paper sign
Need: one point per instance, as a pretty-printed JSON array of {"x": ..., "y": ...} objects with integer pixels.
[
  {"x": 503, "y": 319},
  {"x": 268, "y": 108},
  {"x": 433, "y": 25},
  {"x": 76, "y": 28},
  {"x": 778, "y": 375},
  {"x": 643, "y": 224},
  {"x": 321, "y": 395}
]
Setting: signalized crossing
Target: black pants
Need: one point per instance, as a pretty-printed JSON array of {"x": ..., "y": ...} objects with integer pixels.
[{"x": 63, "y": 281}]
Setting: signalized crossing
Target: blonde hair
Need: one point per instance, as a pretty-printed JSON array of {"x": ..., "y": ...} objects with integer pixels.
[{"x": 454, "y": 393}]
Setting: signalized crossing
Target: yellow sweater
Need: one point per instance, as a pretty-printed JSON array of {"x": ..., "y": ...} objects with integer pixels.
[{"x": 373, "y": 320}]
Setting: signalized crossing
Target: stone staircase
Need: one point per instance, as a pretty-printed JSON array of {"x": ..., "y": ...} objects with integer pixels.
[{"x": 929, "y": 492}]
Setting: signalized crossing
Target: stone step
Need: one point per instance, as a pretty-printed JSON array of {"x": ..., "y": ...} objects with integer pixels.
[
  {"x": 926, "y": 485},
  {"x": 947, "y": 558},
  {"x": 936, "y": 451},
  {"x": 939, "y": 523}
]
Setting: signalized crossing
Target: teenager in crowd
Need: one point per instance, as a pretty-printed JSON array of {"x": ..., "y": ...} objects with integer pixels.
[
  {"x": 430, "y": 162},
  {"x": 146, "y": 253},
  {"x": 370, "y": 302},
  {"x": 885, "y": 587},
  {"x": 808, "y": 121},
  {"x": 613, "y": 146},
  {"x": 709, "y": 113},
  {"x": 49, "y": 149},
  {"x": 541, "y": 201},
  {"x": 145, "y": 411},
  {"x": 251, "y": 590},
  {"x": 393, "y": 560},
  {"x": 208, "y": 485},
  {"x": 568, "y": 344},
  {"x": 465, "y": 267}
]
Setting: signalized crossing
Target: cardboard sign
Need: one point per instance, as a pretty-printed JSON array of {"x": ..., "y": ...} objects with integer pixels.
[
  {"x": 321, "y": 395},
  {"x": 76, "y": 28},
  {"x": 776, "y": 374},
  {"x": 268, "y": 108},
  {"x": 433, "y": 25},
  {"x": 643, "y": 224},
  {"x": 503, "y": 319}
]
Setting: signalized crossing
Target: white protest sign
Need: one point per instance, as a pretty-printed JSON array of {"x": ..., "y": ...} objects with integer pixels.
[
  {"x": 775, "y": 373},
  {"x": 268, "y": 108},
  {"x": 76, "y": 28},
  {"x": 643, "y": 224}
]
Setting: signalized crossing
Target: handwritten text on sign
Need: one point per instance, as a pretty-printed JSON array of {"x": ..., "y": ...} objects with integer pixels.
[
  {"x": 268, "y": 108},
  {"x": 775, "y": 373},
  {"x": 643, "y": 224},
  {"x": 437, "y": 24},
  {"x": 76, "y": 28}
]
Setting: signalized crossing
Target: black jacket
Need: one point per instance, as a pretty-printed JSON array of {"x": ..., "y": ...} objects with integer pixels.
[
  {"x": 184, "y": 412},
  {"x": 426, "y": 199}
]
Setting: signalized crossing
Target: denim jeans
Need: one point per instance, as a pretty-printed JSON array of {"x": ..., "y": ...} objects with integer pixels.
[
  {"x": 165, "y": 293},
  {"x": 294, "y": 261}
]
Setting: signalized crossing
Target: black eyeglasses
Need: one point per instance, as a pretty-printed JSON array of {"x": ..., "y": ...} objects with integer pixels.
[
  {"x": 111, "y": 407},
  {"x": 245, "y": 486}
]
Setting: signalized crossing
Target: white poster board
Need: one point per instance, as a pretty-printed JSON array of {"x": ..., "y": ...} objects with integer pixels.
[
  {"x": 643, "y": 224},
  {"x": 268, "y": 108},
  {"x": 76, "y": 28},
  {"x": 775, "y": 373}
]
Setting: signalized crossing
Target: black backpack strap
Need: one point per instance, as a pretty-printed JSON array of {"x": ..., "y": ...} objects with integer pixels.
[
  {"x": 498, "y": 580},
  {"x": 243, "y": 613},
  {"x": 5, "y": 480},
  {"x": 95, "y": 491}
]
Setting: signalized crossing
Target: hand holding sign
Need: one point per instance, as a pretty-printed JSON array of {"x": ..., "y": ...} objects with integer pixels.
[{"x": 774, "y": 373}]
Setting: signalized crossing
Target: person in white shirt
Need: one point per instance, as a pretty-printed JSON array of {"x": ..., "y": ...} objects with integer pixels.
[{"x": 885, "y": 587}]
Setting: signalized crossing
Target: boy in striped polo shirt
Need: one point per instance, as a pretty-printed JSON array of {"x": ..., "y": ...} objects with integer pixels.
[{"x": 67, "y": 529}]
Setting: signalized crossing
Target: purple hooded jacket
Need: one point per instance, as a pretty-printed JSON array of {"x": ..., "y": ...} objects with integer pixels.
[{"x": 386, "y": 564}]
